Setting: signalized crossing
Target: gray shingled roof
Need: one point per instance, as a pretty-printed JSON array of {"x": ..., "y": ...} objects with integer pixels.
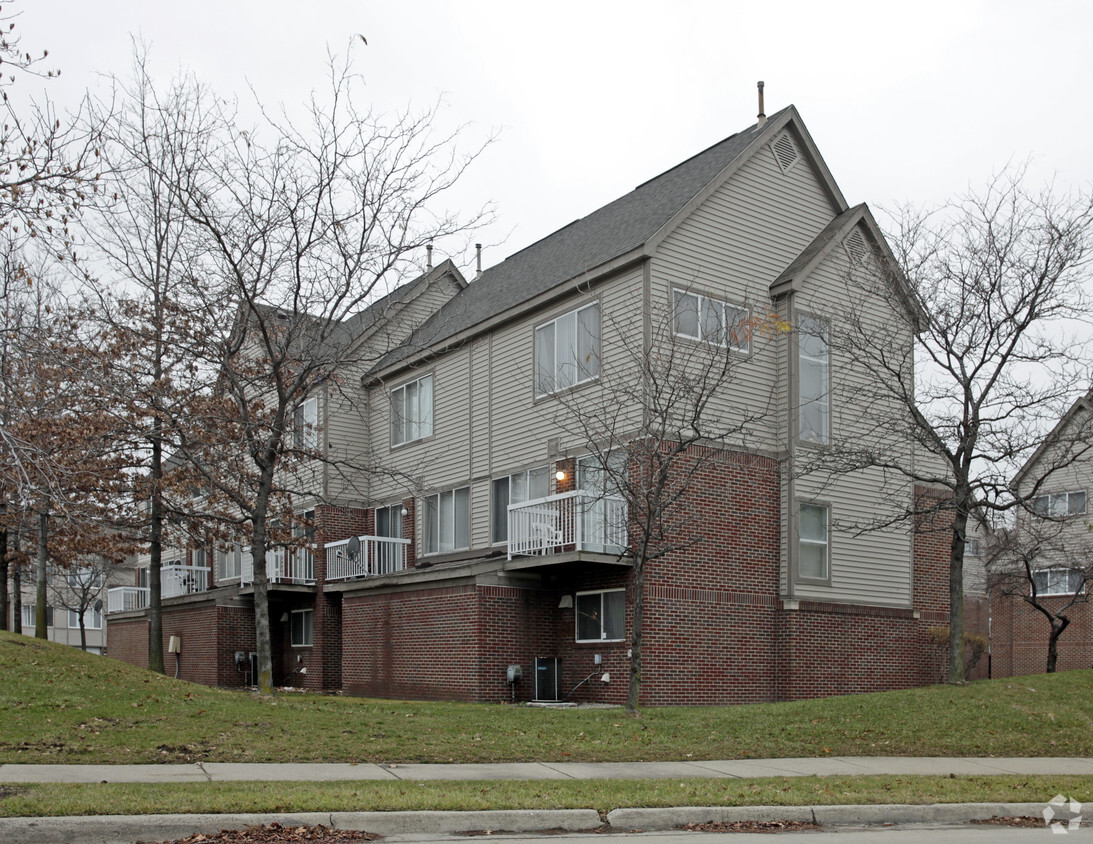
[{"x": 583, "y": 245}]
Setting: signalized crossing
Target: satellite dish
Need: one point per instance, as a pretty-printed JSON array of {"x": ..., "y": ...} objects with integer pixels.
[
  {"x": 98, "y": 605},
  {"x": 353, "y": 548}
]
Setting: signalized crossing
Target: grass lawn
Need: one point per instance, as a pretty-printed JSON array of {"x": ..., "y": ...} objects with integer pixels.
[
  {"x": 603, "y": 795},
  {"x": 62, "y": 706}
]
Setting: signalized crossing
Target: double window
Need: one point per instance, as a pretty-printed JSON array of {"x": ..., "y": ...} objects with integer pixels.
[
  {"x": 412, "y": 410},
  {"x": 447, "y": 521},
  {"x": 92, "y": 618},
  {"x": 1058, "y": 581},
  {"x": 516, "y": 489},
  {"x": 305, "y": 423},
  {"x": 814, "y": 372},
  {"x": 567, "y": 350},
  {"x": 29, "y": 616},
  {"x": 85, "y": 577},
  {"x": 711, "y": 321},
  {"x": 1059, "y": 505},
  {"x": 601, "y": 616},
  {"x": 813, "y": 529},
  {"x": 301, "y": 624}
]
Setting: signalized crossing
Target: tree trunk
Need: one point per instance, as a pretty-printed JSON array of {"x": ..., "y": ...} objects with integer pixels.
[
  {"x": 1057, "y": 627},
  {"x": 633, "y": 695},
  {"x": 155, "y": 554},
  {"x": 4, "y": 600},
  {"x": 40, "y": 567},
  {"x": 261, "y": 585},
  {"x": 83, "y": 634},
  {"x": 956, "y": 592},
  {"x": 17, "y": 591}
]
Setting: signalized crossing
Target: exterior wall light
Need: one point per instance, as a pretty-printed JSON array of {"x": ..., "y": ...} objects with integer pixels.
[{"x": 559, "y": 476}]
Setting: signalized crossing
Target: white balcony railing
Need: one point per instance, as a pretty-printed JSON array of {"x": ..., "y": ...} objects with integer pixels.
[
  {"x": 183, "y": 580},
  {"x": 282, "y": 566},
  {"x": 126, "y": 598},
  {"x": 368, "y": 556},
  {"x": 579, "y": 520}
]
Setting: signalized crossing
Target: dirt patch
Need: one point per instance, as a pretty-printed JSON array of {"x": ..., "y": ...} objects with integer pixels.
[
  {"x": 752, "y": 826},
  {"x": 274, "y": 833},
  {"x": 1018, "y": 820}
]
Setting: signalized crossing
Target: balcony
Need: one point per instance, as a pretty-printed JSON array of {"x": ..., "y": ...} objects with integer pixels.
[
  {"x": 570, "y": 521},
  {"x": 283, "y": 565},
  {"x": 127, "y": 598},
  {"x": 365, "y": 556}
]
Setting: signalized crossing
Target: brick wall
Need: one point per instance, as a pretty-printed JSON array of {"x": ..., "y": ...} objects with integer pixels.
[
  {"x": 1020, "y": 634},
  {"x": 128, "y": 640}
]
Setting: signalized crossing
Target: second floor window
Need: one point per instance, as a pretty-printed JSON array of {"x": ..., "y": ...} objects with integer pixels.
[
  {"x": 1059, "y": 505},
  {"x": 814, "y": 373},
  {"x": 813, "y": 545},
  {"x": 412, "y": 410},
  {"x": 305, "y": 422},
  {"x": 447, "y": 521},
  {"x": 711, "y": 321},
  {"x": 567, "y": 350},
  {"x": 516, "y": 489},
  {"x": 1058, "y": 581},
  {"x": 228, "y": 563}
]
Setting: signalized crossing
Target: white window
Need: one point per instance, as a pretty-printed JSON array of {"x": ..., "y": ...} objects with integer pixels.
[
  {"x": 516, "y": 489},
  {"x": 85, "y": 577},
  {"x": 228, "y": 563},
  {"x": 971, "y": 548},
  {"x": 567, "y": 350},
  {"x": 601, "y": 616},
  {"x": 92, "y": 619},
  {"x": 814, "y": 403},
  {"x": 1058, "y": 581},
  {"x": 1059, "y": 505},
  {"x": 412, "y": 410},
  {"x": 198, "y": 557},
  {"x": 28, "y": 616},
  {"x": 711, "y": 321},
  {"x": 447, "y": 521},
  {"x": 389, "y": 521},
  {"x": 813, "y": 545},
  {"x": 306, "y": 423},
  {"x": 302, "y": 628}
]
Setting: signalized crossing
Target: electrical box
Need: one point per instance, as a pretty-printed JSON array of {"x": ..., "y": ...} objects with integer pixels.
[
  {"x": 514, "y": 673},
  {"x": 174, "y": 645},
  {"x": 548, "y": 678},
  {"x": 240, "y": 657}
]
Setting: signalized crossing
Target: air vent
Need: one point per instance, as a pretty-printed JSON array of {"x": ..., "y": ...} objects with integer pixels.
[
  {"x": 855, "y": 247},
  {"x": 785, "y": 152}
]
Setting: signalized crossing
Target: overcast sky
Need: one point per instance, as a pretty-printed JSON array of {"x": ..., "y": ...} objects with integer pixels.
[{"x": 908, "y": 102}]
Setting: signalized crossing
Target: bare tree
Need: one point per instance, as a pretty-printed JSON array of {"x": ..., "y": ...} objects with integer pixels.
[
  {"x": 996, "y": 288},
  {"x": 79, "y": 589},
  {"x": 666, "y": 415}
]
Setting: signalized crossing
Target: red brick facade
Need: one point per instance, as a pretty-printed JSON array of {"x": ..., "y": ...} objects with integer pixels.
[{"x": 1019, "y": 634}]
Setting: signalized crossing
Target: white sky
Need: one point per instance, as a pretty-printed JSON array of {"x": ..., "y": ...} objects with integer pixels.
[{"x": 907, "y": 102}]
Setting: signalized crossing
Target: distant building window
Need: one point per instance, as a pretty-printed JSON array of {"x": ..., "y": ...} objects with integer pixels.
[
  {"x": 971, "y": 548},
  {"x": 711, "y": 321},
  {"x": 85, "y": 577},
  {"x": 1059, "y": 505},
  {"x": 1058, "y": 581},
  {"x": 815, "y": 365},
  {"x": 306, "y": 423},
  {"x": 92, "y": 619},
  {"x": 412, "y": 411},
  {"x": 29, "y": 616},
  {"x": 567, "y": 350},
  {"x": 813, "y": 544},
  {"x": 601, "y": 616},
  {"x": 447, "y": 521},
  {"x": 516, "y": 489},
  {"x": 301, "y": 622}
]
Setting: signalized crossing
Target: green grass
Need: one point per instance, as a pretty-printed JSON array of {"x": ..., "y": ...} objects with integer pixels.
[
  {"x": 60, "y": 705},
  {"x": 603, "y": 795}
]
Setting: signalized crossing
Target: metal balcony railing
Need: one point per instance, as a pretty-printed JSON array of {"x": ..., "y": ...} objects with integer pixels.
[
  {"x": 126, "y": 598},
  {"x": 578, "y": 520},
  {"x": 368, "y": 556},
  {"x": 283, "y": 565}
]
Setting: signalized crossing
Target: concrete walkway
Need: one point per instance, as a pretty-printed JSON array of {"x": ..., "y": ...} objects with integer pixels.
[{"x": 738, "y": 768}]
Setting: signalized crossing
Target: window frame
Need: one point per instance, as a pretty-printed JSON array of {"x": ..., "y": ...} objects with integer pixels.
[
  {"x": 307, "y": 628},
  {"x": 823, "y": 401},
  {"x": 603, "y": 615},
  {"x": 497, "y": 509},
  {"x": 401, "y": 423},
  {"x": 726, "y": 330},
  {"x": 1050, "y": 497},
  {"x": 394, "y": 517},
  {"x": 802, "y": 540},
  {"x": 582, "y": 373},
  {"x": 1049, "y": 592},
  {"x": 305, "y": 430},
  {"x": 90, "y": 615},
  {"x": 430, "y": 508}
]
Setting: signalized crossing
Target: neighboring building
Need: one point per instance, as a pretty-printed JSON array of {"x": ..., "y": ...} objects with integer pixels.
[
  {"x": 494, "y": 544},
  {"x": 1058, "y": 537}
]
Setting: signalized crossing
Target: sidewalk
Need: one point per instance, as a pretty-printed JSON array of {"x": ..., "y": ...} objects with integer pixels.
[{"x": 738, "y": 768}]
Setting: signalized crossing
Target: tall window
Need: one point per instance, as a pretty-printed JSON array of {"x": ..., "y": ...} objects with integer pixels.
[
  {"x": 711, "y": 321},
  {"x": 412, "y": 410},
  {"x": 516, "y": 489},
  {"x": 447, "y": 521},
  {"x": 301, "y": 623},
  {"x": 306, "y": 423},
  {"x": 567, "y": 350},
  {"x": 228, "y": 563},
  {"x": 389, "y": 521},
  {"x": 815, "y": 365},
  {"x": 1059, "y": 505},
  {"x": 813, "y": 533},
  {"x": 601, "y": 616}
]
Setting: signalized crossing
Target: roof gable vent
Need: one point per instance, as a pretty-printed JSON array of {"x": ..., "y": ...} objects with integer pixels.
[
  {"x": 856, "y": 247},
  {"x": 785, "y": 152}
]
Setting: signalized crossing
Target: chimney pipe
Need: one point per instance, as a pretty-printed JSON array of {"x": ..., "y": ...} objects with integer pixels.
[
  {"x": 478, "y": 252},
  {"x": 429, "y": 254},
  {"x": 762, "y": 114}
]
